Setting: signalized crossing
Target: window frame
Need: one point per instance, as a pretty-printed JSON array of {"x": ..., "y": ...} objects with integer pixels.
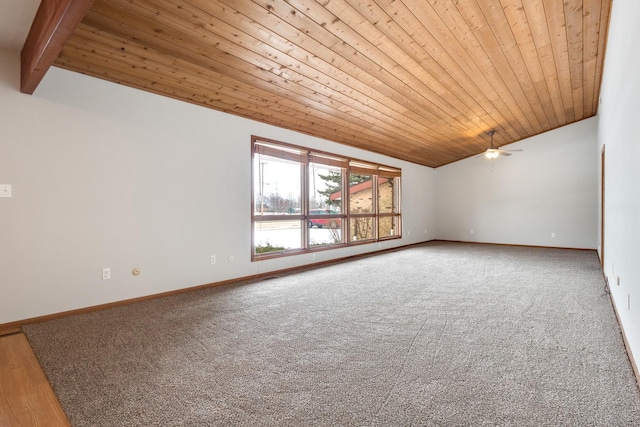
[{"x": 305, "y": 157}]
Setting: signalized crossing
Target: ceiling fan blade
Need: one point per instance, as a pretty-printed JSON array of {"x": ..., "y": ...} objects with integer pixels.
[{"x": 491, "y": 153}]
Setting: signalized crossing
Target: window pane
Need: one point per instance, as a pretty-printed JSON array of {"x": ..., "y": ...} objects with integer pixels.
[
  {"x": 325, "y": 187},
  {"x": 360, "y": 193},
  {"x": 322, "y": 218},
  {"x": 325, "y": 236},
  {"x": 361, "y": 229},
  {"x": 388, "y": 226},
  {"x": 386, "y": 195},
  {"x": 277, "y": 236},
  {"x": 276, "y": 186}
]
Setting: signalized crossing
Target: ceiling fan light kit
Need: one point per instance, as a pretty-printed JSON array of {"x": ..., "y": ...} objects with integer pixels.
[{"x": 493, "y": 153}]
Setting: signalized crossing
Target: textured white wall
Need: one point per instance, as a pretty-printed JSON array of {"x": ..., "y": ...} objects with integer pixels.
[
  {"x": 550, "y": 187},
  {"x": 108, "y": 176},
  {"x": 619, "y": 132}
]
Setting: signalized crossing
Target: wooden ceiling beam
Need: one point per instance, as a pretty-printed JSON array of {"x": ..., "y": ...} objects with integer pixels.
[{"x": 52, "y": 26}]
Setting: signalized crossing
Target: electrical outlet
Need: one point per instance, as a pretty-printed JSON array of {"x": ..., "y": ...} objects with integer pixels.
[
  {"x": 472, "y": 231},
  {"x": 106, "y": 273},
  {"x": 213, "y": 259},
  {"x": 553, "y": 235}
]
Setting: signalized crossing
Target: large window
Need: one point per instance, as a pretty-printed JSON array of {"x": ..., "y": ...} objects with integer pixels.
[{"x": 299, "y": 206}]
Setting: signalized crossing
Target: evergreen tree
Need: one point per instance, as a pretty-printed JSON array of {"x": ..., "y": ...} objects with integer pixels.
[{"x": 334, "y": 184}]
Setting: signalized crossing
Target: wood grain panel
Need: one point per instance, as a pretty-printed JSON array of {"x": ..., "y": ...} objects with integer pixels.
[
  {"x": 523, "y": 48},
  {"x": 182, "y": 47},
  {"x": 185, "y": 67},
  {"x": 421, "y": 81},
  {"x": 26, "y": 398},
  {"x": 605, "y": 11},
  {"x": 541, "y": 46},
  {"x": 573, "y": 16},
  {"x": 308, "y": 82},
  {"x": 445, "y": 73},
  {"x": 454, "y": 35}
]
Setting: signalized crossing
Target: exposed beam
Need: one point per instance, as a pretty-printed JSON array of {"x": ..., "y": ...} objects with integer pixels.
[{"x": 51, "y": 28}]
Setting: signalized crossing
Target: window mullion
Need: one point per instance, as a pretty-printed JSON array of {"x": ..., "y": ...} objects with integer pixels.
[
  {"x": 304, "y": 208},
  {"x": 346, "y": 203}
]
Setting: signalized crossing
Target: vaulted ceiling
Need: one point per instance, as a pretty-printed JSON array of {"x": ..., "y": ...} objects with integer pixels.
[{"x": 418, "y": 80}]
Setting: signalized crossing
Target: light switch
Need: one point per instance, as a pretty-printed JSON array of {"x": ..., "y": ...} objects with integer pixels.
[{"x": 5, "y": 190}]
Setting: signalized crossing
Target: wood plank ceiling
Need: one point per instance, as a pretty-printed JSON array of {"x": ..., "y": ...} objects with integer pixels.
[{"x": 422, "y": 81}]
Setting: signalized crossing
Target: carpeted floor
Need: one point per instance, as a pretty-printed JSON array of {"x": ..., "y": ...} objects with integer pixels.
[{"x": 444, "y": 334}]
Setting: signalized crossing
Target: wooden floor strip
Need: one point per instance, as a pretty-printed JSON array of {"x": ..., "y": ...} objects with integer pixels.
[{"x": 26, "y": 398}]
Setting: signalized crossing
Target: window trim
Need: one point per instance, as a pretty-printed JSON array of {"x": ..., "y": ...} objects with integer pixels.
[{"x": 305, "y": 156}]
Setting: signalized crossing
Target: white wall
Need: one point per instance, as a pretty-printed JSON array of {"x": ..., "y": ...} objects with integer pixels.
[
  {"x": 619, "y": 132},
  {"x": 108, "y": 176},
  {"x": 550, "y": 187}
]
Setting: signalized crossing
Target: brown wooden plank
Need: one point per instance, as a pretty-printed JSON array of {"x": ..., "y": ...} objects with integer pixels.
[
  {"x": 186, "y": 71},
  {"x": 523, "y": 50},
  {"x": 434, "y": 84},
  {"x": 322, "y": 81},
  {"x": 440, "y": 20},
  {"x": 302, "y": 59},
  {"x": 307, "y": 86},
  {"x": 183, "y": 45},
  {"x": 590, "y": 35},
  {"x": 555, "y": 15},
  {"x": 573, "y": 16},
  {"x": 345, "y": 24},
  {"x": 605, "y": 15},
  {"x": 26, "y": 398},
  {"x": 536, "y": 15},
  {"x": 225, "y": 99},
  {"x": 452, "y": 78},
  {"x": 499, "y": 67},
  {"x": 333, "y": 50},
  {"x": 53, "y": 24},
  {"x": 508, "y": 36}
]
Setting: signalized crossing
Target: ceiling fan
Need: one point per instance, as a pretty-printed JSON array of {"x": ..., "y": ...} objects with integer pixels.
[{"x": 493, "y": 153}]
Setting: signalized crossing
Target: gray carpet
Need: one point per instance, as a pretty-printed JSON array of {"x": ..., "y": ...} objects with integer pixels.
[{"x": 444, "y": 334}]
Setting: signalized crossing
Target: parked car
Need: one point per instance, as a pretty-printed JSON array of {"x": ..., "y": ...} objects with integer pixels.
[{"x": 324, "y": 222}]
